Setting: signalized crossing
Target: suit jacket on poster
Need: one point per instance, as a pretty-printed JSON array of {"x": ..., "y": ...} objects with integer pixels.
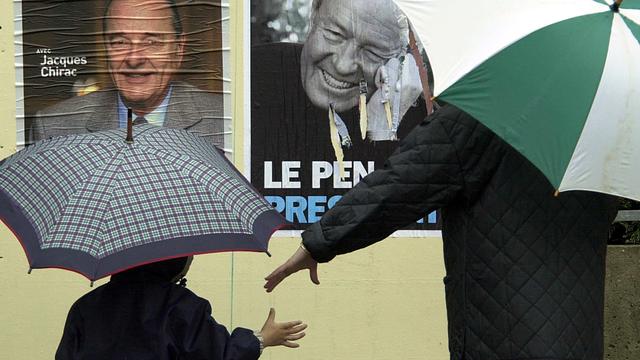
[{"x": 189, "y": 108}]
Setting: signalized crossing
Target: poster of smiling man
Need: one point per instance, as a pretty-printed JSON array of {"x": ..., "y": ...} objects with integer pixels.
[
  {"x": 333, "y": 89},
  {"x": 83, "y": 63}
]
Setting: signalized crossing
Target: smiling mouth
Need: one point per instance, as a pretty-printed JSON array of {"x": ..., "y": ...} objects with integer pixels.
[
  {"x": 136, "y": 74},
  {"x": 335, "y": 83}
]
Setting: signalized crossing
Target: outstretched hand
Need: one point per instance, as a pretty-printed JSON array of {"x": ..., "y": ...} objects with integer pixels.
[
  {"x": 274, "y": 334},
  {"x": 301, "y": 259}
]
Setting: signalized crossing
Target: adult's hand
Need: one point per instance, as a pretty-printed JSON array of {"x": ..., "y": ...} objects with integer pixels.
[{"x": 301, "y": 259}]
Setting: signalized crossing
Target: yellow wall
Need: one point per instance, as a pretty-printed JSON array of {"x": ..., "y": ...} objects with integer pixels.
[{"x": 385, "y": 302}]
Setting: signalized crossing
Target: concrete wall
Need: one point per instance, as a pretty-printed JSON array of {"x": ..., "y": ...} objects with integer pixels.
[
  {"x": 385, "y": 302},
  {"x": 622, "y": 308}
]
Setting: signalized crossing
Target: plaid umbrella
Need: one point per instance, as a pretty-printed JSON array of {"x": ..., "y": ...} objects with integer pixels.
[{"x": 96, "y": 204}]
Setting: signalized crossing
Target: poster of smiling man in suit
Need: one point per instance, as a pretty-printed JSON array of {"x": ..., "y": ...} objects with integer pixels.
[
  {"x": 333, "y": 87},
  {"x": 87, "y": 62}
]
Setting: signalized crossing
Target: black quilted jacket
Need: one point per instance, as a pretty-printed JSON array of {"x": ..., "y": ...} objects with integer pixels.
[{"x": 525, "y": 269}]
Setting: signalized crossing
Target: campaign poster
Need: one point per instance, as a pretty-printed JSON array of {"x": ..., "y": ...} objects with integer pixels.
[
  {"x": 315, "y": 66},
  {"x": 82, "y": 63}
]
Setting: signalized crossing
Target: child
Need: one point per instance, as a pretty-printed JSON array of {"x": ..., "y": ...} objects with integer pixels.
[{"x": 142, "y": 314}]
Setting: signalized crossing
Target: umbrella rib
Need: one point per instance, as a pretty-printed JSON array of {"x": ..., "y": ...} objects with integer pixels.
[{"x": 215, "y": 171}]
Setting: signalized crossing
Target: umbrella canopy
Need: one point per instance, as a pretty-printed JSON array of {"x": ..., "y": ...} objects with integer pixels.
[
  {"x": 96, "y": 205},
  {"x": 559, "y": 80}
]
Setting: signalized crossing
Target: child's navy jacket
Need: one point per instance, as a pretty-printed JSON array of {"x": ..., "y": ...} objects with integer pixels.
[{"x": 139, "y": 315}]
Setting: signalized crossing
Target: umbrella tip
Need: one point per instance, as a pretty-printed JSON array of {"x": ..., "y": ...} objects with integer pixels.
[
  {"x": 29, "y": 271},
  {"x": 91, "y": 283},
  {"x": 268, "y": 253},
  {"x": 556, "y": 193}
]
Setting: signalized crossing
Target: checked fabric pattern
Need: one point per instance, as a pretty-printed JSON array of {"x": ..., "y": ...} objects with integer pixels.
[{"x": 99, "y": 195}]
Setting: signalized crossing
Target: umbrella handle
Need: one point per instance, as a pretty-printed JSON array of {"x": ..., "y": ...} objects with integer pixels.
[
  {"x": 129, "y": 139},
  {"x": 616, "y": 5},
  {"x": 422, "y": 71}
]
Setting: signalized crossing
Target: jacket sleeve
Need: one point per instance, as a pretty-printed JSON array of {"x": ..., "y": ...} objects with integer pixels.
[
  {"x": 199, "y": 336},
  {"x": 434, "y": 165}
]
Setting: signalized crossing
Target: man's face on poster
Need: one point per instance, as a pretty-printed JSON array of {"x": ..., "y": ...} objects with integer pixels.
[
  {"x": 348, "y": 41},
  {"x": 144, "y": 51}
]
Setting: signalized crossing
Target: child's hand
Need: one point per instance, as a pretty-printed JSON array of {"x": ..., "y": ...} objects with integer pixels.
[{"x": 274, "y": 334}]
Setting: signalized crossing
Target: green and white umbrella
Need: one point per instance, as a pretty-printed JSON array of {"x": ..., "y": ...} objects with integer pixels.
[{"x": 559, "y": 80}]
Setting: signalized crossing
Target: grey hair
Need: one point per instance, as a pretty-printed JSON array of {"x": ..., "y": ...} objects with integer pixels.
[
  {"x": 173, "y": 6},
  {"x": 403, "y": 22}
]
